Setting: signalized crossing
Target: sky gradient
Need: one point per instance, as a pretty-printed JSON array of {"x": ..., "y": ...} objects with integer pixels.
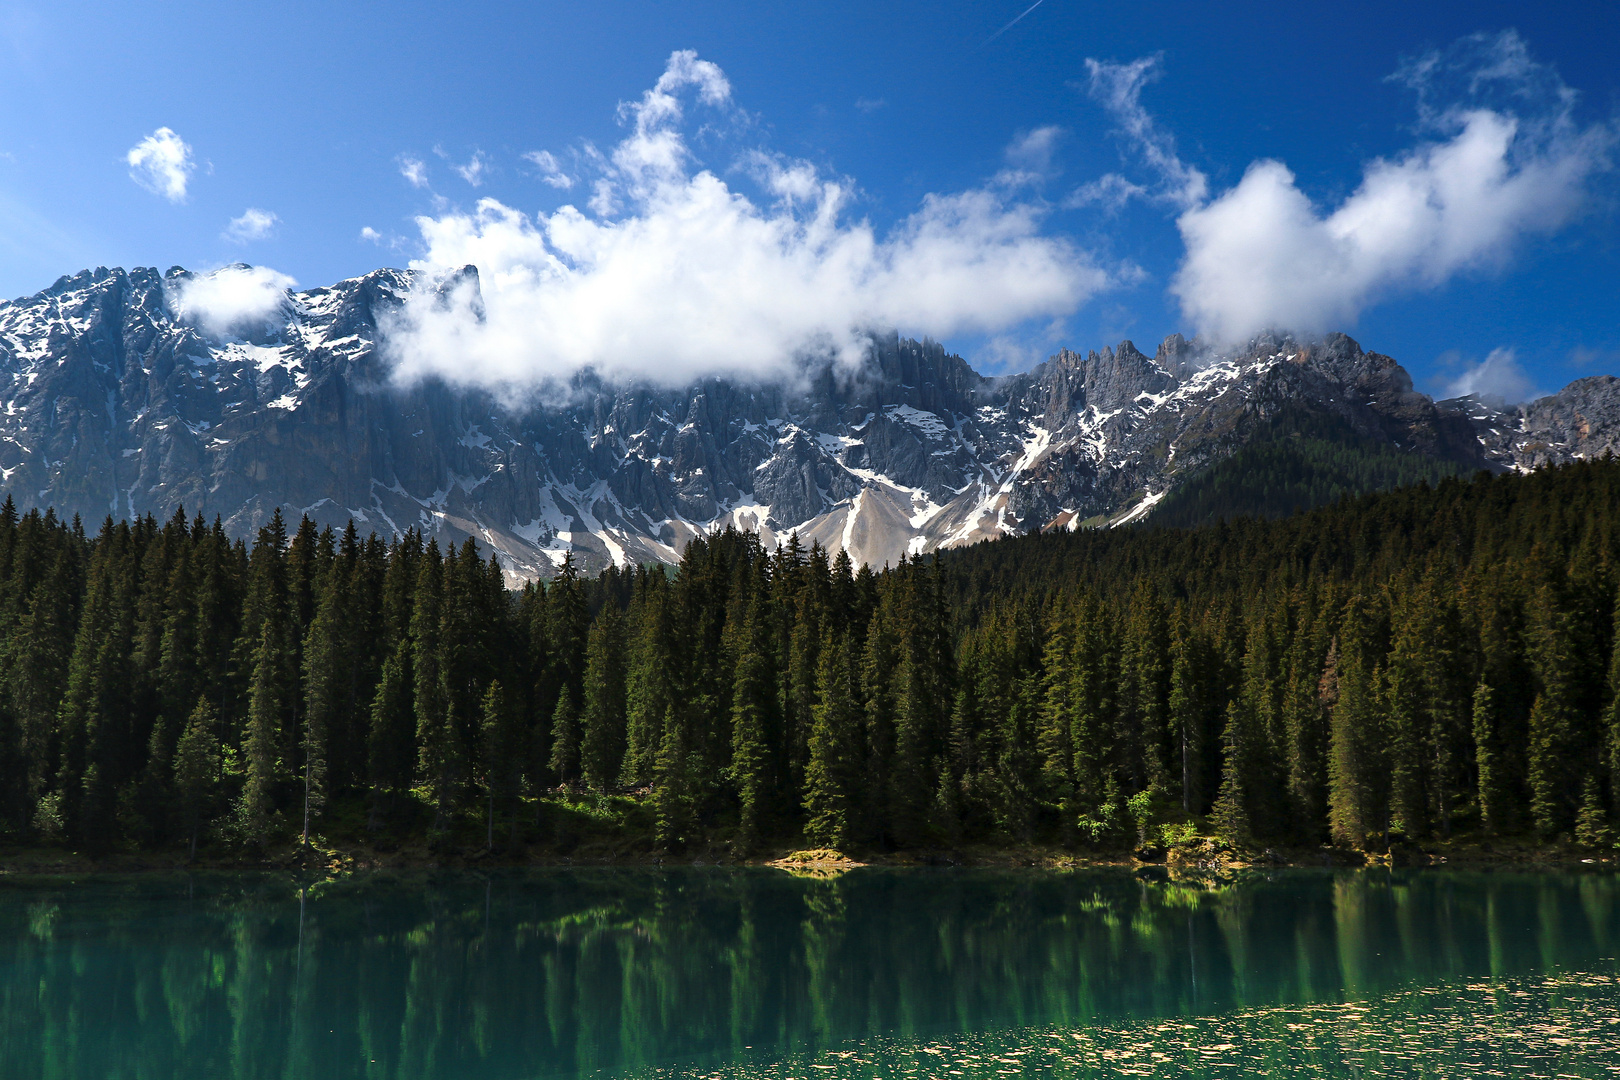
[{"x": 323, "y": 143}]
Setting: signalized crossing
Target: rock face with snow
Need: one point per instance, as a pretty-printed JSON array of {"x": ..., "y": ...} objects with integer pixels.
[{"x": 114, "y": 404}]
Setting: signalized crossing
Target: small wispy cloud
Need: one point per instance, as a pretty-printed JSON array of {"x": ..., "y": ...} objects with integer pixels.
[
  {"x": 414, "y": 170},
  {"x": 869, "y": 105},
  {"x": 473, "y": 172},
  {"x": 1118, "y": 87},
  {"x": 551, "y": 170},
  {"x": 1583, "y": 357},
  {"x": 1110, "y": 192},
  {"x": 162, "y": 164},
  {"x": 1029, "y": 157},
  {"x": 371, "y": 235},
  {"x": 254, "y": 224}
]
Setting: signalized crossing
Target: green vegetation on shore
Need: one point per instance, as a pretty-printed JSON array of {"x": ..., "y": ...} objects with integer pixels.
[{"x": 1416, "y": 664}]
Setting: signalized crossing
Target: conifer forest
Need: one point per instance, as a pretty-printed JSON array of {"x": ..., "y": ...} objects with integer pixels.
[{"x": 1401, "y": 664}]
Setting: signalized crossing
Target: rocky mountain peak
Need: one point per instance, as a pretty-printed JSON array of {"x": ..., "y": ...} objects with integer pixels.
[{"x": 117, "y": 402}]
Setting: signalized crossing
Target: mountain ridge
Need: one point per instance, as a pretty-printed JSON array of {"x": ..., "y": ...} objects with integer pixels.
[{"x": 115, "y": 403}]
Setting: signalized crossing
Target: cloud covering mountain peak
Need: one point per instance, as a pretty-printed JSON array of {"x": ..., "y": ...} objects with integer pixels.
[{"x": 673, "y": 271}]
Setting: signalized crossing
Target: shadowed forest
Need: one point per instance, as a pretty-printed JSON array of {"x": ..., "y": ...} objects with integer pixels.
[{"x": 1403, "y": 664}]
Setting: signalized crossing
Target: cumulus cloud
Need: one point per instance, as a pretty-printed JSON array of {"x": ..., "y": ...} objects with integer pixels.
[
  {"x": 254, "y": 224},
  {"x": 671, "y": 273},
  {"x": 1503, "y": 161},
  {"x": 161, "y": 163},
  {"x": 1499, "y": 379},
  {"x": 229, "y": 300}
]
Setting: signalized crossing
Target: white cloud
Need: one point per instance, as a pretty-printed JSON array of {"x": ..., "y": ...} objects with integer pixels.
[
  {"x": 369, "y": 234},
  {"x": 1498, "y": 379},
  {"x": 694, "y": 278},
  {"x": 233, "y": 298},
  {"x": 414, "y": 171},
  {"x": 473, "y": 171},
  {"x": 1263, "y": 255},
  {"x": 1119, "y": 88},
  {"x": 161, "y": 163},
  {"x": 1029, "y": 158},
  {"x": 869, "y": 105},
  {"x": 254, "y": 224},
  {"x": 551, "y": 171},
  {"x": 1110, "y": 192}
]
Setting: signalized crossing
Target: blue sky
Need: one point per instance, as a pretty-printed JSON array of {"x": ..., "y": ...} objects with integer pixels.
[{"x": 922, "y": 164}]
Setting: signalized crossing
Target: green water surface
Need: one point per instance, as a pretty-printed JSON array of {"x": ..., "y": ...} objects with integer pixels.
[{"x": 755, "y": 973}]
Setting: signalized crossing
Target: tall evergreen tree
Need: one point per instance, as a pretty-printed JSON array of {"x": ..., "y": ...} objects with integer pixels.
[
  {"x": 834, "y": 779},
  {"x": 602, "y": 720}
]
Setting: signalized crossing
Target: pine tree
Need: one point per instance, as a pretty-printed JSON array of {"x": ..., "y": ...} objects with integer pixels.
[
  {"x": 878, "y": 690},
  {"x": 753, "y": 703},
  {"x": 1232, "y": 814},
  {"x": 1492, "y": 789},
  {"x": 1145, "y": 690},
  {"x": 672, "y": 784},
  {"x": 438, "y": 744},
  {"x": 500, "y": 754},
  {"x": 1562, "y": 740},
  {"x": 95, "y": 710},
  {"x": 196, "y": 770},
  {"x": 1358, "y": 770},
  {"x": 565, "y": 741},
  {"x": 1055, "y": 733},
  {"x": 834, "y": 777},
  {"x": 602, "y": 721},
  {"x": 1592, "y": 823},
  {"x": 1188, "y": 709},
  {"x": 266, "y": 705},
  {"x": 650, "y": 683}
]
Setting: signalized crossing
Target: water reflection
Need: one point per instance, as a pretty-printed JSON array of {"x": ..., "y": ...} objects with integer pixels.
[{"x": 571, "y": 972}]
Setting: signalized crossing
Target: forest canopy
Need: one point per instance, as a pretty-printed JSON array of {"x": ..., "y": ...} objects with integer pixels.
[{"x": 1411, "y": 663}]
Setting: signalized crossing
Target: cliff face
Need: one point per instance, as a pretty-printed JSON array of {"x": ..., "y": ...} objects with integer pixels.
[{"x": 114, "y": 404}]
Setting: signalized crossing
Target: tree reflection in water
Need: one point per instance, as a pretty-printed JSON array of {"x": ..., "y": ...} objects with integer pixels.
[{"x": 571, "y": 972}]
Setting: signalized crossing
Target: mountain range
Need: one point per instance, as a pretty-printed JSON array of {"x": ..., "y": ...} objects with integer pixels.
[{"x": 114, "y": 402}]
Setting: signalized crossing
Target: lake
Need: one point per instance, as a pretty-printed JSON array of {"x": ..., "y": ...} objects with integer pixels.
[{"x": 752, "y": 972}]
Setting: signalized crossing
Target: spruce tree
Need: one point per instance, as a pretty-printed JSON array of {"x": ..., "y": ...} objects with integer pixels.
[
  {"x": 602, "y": 721},
  {"x": 391, "y": 736},
  {"x": 439, "y": 750},
  {"x": 650, "y": 689},
  {"x": 834, "y": 777},
  {"x": 500, "y": 754},
  {"x": 673, "y": 784},
  {"x": 565, "y": 741},
  {"x": 196, "y": 770},
  {"x": 266, "y": 705},
  {"x": 1492, "y": 790},
  {"x": 1358, "y": 769},
  {"x": 753, "y": 703}
]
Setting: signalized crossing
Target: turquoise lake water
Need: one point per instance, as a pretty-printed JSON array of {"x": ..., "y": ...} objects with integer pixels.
[{"x": 740, "y": 973}]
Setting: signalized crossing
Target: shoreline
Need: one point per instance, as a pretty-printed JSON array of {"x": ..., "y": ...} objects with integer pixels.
[{"x": 1204, "y": 858}]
